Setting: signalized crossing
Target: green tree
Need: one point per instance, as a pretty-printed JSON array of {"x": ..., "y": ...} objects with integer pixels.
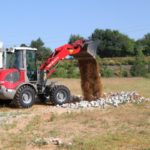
[
  {"x": 112, "y": 43},
  {"x": 42, "y": 51},
  {"x": 74, "y": 37},
  {"x": 23, "y": 45},
  {"x": 139, "y": 66},
  {"x": 145, "y": 44}
]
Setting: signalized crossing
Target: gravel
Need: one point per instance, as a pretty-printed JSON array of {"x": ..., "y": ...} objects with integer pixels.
[
  {"x": 113, "y": 99},
  {"x": 110, "y": 99},
  {"x": 48, "y": 140}
]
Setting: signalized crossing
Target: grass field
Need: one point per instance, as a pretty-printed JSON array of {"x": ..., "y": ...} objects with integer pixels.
[
  {"x": 141, "y": 85},
  {"x": 126, "y": 127}
]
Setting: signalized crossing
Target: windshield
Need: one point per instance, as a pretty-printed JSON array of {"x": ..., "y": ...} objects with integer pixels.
[
  {"x": 14, "y": 60},
  {"x": 1, "y": 59}
]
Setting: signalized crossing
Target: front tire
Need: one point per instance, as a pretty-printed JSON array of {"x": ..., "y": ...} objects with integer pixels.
[
  {"x": 25, "y": 97},
  {"x": 60, "y": 94}
]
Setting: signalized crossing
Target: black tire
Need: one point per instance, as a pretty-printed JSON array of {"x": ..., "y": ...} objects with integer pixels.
[
  {"x": 25, "y": 97},
  {"x": 60, "y": 94}
]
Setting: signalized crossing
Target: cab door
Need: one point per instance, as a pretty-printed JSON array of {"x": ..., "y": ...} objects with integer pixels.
[{"x": 31, "y": 65}]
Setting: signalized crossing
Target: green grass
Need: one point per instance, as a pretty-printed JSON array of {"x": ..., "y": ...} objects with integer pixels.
[
  {"x": 33, "y": 124},
  {"x": 141, "y": 85},
  {"x": 125, "y": 127},
  {"x": 110, "y": 141},
  {"x": 8, "y": 126}
]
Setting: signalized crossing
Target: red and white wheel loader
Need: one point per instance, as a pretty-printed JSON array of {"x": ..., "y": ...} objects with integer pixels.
[{"x": 21, "y": 81}]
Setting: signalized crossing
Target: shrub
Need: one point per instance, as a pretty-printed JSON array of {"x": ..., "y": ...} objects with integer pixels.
[
  {"x": 139, "y": 66},
  {"x": 147, "y": 75},
  {"x": 148, "y": 71},
  {"x": 117, "y": 61},
  {"x": 60, "y": 72},
  {"x": 112, "y": 62},
  {"x": 123, "y": 72},
  {"x": 148, "y": 67},
  {"x": 106, "y": 72},
  {"x": 73, "y": 72},
  {"x": 67, "y": 69}
]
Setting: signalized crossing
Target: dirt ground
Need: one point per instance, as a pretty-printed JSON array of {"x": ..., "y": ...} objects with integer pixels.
[{"x": 125, "y": 127}]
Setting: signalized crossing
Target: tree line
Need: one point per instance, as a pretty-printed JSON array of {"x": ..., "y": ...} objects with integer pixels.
[
  {"x": 111, "y": 43},
  {"x": 43, "y": 52}
]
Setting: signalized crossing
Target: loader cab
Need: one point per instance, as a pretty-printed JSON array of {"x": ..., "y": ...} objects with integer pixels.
[
  {"x": 23, "y": 59},
  {"x": 1, "y": 54}
]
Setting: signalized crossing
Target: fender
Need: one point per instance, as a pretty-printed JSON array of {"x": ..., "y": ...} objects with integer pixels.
[{"x": 29, "y": 84}]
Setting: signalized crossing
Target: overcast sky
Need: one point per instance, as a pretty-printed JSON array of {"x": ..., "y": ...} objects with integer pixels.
[{"x": 55, "y": 20}]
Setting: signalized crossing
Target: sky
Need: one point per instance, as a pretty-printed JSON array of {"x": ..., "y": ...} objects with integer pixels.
[{"x": 22, "y": 21}]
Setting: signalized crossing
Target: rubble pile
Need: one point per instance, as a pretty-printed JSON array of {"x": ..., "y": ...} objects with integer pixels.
[{"x": 111, "y": 99}]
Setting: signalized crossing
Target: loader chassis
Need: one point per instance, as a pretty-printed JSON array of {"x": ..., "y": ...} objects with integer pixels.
[{"x": 21, "y": 82}]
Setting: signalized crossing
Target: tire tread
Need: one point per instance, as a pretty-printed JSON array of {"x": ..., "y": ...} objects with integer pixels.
[
  {"x": 54, "y": 91},
  {"x": 16, "y": 100}
]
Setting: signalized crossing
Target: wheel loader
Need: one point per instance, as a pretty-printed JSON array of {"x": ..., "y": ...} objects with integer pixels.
[{"x": 22, "y": 82}]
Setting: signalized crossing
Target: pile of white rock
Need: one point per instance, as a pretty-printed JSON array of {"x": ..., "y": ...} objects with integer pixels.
[
  {"x": 46, "y": 141},
  {"x": 50, "y": 140},
  {"x": 110, "y": 99}
]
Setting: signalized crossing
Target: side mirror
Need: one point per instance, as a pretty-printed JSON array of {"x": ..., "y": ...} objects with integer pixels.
[{"x": 10, "y": 50}]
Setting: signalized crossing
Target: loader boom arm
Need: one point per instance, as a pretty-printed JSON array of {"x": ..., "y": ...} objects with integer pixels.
[{"x": 59, "y": 54}]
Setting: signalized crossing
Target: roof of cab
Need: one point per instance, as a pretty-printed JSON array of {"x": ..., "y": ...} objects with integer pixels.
[{"x": 25, "y": 48}]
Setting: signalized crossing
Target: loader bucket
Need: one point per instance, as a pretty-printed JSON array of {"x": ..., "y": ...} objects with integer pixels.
[
  {"x": 88, "y": 51},
  {"x": 91, "y": 48},
  {"x": 89, "y": 71}
]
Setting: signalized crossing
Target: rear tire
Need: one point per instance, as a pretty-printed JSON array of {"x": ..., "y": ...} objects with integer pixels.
[
  {"x": 60, "y": 94},
  {"x": 25, "y": 97}
]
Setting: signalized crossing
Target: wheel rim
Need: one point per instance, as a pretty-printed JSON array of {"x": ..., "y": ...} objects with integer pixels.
[
  {"x": 27, "y": 97},
  {"x": 61, "y": 96}
]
